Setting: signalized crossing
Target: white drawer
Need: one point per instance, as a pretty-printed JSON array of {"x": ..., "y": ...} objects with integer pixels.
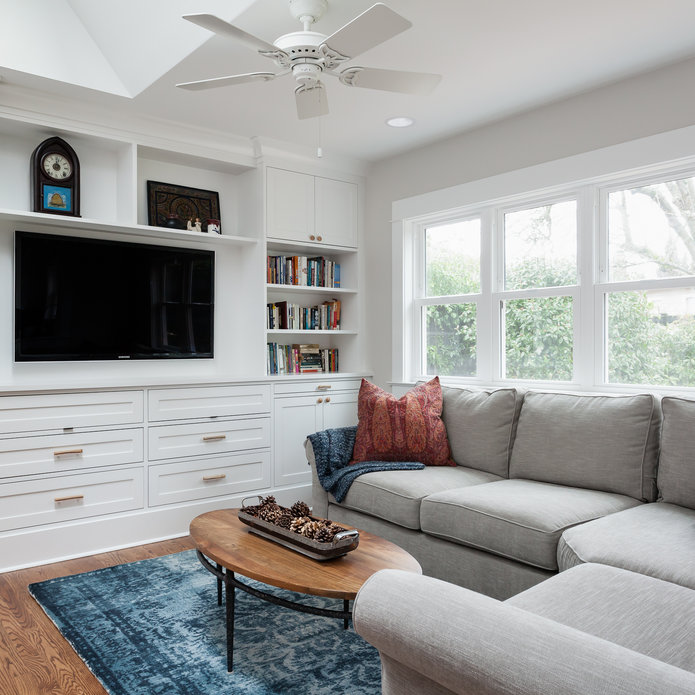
[
  {"x": 209, "y": 401},
  {"x": 54, "y": 453},
  {"x": 209, "y": 477},
  {"x": 204, "y": 438},
  {"x": 69, "y": 410},
  {"x": 69, "y": 497},
  {"x": 326, "y": 386}
]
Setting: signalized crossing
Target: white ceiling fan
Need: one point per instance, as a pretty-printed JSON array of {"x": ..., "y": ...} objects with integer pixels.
[{"x": 307, "y": 55}]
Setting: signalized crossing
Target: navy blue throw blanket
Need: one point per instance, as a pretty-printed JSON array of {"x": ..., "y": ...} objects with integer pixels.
[{"x": 333, "y": 451}]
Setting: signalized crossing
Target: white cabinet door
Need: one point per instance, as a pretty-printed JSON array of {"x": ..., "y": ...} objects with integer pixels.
[
  {"x": 295, "y": 418},
  {"x": 336, "y": 212},
  {"x": 340, "y": 410},
  {"x": 290, "y": 205}
]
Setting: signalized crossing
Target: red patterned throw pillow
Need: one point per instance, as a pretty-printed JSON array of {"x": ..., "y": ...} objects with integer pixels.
[{"x": 405, "y": 429}]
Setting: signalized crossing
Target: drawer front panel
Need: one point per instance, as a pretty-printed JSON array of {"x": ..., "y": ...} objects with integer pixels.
[
  {"x": 210, "y": 477},
  {"x": 203, "y": 402},
  {"x": 205, "y": 438},
  {"x": 70, "y": 410},
  {"x": 54, "y": 453},
  {"x": 326, "y": 387},
  {"x": 70, "y": 497}
]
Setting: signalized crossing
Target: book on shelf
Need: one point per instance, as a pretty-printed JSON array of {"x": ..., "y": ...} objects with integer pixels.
[
  {"x": 285, "y": 315},
  {"x": 300, "y": 359},
  {"x": 303, "y": 271}
]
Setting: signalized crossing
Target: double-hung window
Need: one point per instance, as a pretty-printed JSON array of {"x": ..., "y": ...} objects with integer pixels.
[
  {"x": 591, "y": 286},
  {"x": 647, "y": 283}
]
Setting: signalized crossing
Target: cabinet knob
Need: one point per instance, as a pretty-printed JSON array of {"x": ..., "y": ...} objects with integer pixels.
[
  {"x": 311, "y": 237},
  {"x": 318, "y": 238},
  {"x": 328, "y": 399},
  {"x": 320, "y": 400}
]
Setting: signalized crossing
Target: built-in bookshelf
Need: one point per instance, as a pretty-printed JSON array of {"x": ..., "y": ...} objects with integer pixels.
[{"x": 311, "y": 274}]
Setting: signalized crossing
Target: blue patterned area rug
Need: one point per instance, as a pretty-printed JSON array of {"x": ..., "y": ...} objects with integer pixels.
[{"x": 154, "y": 627}]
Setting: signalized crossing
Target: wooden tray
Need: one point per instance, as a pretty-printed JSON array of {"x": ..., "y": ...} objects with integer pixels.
[{"x": 343, "y": 543}]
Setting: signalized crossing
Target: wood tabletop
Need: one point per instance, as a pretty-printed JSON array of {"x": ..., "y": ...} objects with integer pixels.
[{"x": 221, "y": 537}]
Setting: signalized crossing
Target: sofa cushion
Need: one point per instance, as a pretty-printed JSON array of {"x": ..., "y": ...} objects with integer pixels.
[
  {"x": 518, "y": 519},
  {"x": 654, "y": 539},
  {"x": 641, "y": 613},
  {"x": 396, "y": 495},
  {"x": 480, "y": 425},
  {"x": 405, "y": 429},
  {"x": 607, "y": 443},
  {"x": 676, "y": 473}
]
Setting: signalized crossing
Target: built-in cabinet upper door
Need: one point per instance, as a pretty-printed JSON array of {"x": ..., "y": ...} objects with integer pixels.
[
  {"x": 290, "y": 205},
  {"x": 311, "y": 209},
  {"x": 336, "y": 212}
]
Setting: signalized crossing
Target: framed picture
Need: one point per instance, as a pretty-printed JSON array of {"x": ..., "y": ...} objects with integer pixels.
[
  {"x": 181, "y": 207},
  {"x": 57, "y": 198}
]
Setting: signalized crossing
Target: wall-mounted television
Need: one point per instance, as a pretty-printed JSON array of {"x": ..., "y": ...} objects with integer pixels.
[{"x": 91, "y": 299}]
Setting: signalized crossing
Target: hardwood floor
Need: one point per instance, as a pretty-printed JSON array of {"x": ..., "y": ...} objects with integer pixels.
[{"x": 34, "y": 657}]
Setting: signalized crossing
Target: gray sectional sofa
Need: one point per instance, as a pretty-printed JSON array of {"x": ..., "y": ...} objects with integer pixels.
[{"x": 559, "y": 554}]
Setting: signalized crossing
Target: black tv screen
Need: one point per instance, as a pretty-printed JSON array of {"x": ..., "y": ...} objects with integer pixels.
[{"x": 92, "y": 299}]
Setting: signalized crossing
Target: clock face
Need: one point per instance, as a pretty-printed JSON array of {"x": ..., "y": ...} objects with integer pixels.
[{"x": 57, "y": 166}]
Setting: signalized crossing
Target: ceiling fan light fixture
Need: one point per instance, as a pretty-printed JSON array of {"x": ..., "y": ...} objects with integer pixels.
[{"x": 400, "y": 122}]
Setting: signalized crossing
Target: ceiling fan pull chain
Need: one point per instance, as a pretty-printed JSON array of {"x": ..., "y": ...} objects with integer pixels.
[{"x": 319, "y": 151}]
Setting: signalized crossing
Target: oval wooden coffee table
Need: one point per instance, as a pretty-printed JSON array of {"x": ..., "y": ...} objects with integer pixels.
[{"x": 220, "y": 536}]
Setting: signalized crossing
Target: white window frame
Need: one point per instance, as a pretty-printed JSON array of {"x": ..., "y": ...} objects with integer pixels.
[{"x": 589, "y": 295}]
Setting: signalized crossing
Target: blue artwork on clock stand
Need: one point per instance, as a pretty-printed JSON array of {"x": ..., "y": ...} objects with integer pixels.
[{"x": 57, "y": 198}]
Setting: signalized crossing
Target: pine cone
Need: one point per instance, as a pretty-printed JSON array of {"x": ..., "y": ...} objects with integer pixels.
[
  {"x": 284, "y": 520},
  {"x": 311, "y": 528},
  {"x": 270, "y": 499},
  {"x": 334, "y": 528},
  {"x": 298, "y": 522},
  {"x": 300, "y": 509},
  {"x": 251, "y": 510},
  {"x": 324, "y": 535},
  {"x": 270, "y": 512}
]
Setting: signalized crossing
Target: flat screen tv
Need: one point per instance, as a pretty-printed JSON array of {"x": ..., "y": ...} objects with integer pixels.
[{"x": 92, "y": 299}]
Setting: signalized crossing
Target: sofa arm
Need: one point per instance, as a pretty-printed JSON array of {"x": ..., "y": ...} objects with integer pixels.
[
  {"x": 435, "y": 637},
  {"x": 319, "y": 497}
]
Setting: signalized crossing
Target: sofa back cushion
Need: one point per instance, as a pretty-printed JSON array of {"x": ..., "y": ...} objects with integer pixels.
[
  {"x": 676, "y": 476},
  {"x": 480, "y": 426},
  {"x": 605, "y": 443}
]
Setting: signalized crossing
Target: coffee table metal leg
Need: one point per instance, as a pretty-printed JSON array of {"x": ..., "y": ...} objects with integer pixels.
[
  {"x": 219, "y": 584},
  {"x": 229, "y": 600},
  {"x": 346, "y": 609}
]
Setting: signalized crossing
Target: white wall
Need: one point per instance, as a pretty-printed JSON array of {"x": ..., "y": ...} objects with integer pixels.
[{"x": 638, "y": 107}]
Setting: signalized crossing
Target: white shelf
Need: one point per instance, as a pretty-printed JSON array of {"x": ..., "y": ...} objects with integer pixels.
[
  {"x": 60, "y": 223},
  {"x": 306, "y": 249},
  {"x": 289, "y": 331},
  {"x": 301, "y": 289}
]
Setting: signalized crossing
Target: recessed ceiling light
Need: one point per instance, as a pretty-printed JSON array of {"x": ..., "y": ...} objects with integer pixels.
[{"x": 400, "y": 122}]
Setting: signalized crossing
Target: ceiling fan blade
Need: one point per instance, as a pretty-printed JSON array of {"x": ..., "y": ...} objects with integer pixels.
[
  {"x": 390, "y": 80},
  {"x": 219, "y": 26},
  {"x": 311, "y": 101},
  {"x": 374, "y": 26},
  {"x": 228, "y": 81}
]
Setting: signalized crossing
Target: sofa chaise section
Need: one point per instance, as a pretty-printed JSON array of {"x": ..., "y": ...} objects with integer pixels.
[{"x": 593, "y": 630}]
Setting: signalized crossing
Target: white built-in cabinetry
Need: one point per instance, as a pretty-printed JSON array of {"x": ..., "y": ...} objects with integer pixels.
[{"x": 98, "y": 455}]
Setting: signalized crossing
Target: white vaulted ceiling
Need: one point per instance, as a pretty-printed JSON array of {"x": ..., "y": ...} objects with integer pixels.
[{"x": 497, "y": 57}]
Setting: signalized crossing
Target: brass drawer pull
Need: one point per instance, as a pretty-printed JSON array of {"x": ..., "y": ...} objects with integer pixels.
[
  {"x": 69, "y": 498},
  {"x": 219, "y": 476},
  {"x": 323, "y": 387},
  {"x": 328, "y": 399},
  {"x": 213, "y": 437},
  {"x": 65, "y": 452},
  {"x": 320, "y": 400}
]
